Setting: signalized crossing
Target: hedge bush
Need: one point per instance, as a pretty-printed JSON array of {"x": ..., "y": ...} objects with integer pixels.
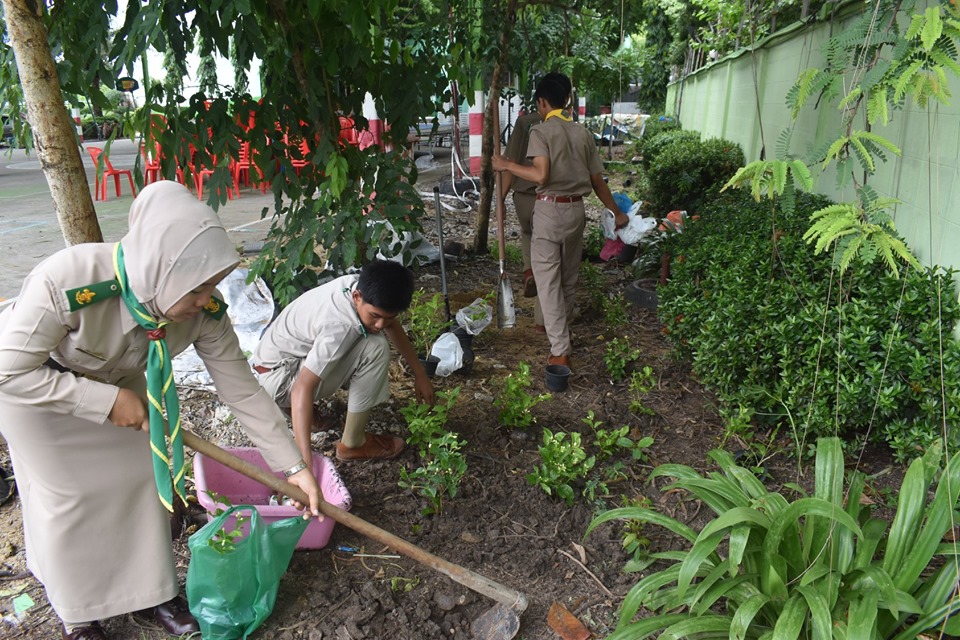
[
  {"x": 775, "y": 329},
  {"x": 686, "y": 171},
  {"x": 650, "y": 146}
]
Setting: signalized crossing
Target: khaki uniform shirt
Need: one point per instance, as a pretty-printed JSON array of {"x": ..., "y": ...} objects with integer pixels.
[
  {"x": 104, "y": 344},
  {"x": 517, "y": 150},
  {"x": 320, "y": 328},
  {"x": 95, "y": 533},
  {"x": 573, "y": 156}
]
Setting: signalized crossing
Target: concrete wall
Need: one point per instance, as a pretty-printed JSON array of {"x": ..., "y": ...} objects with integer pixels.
[{"x": 742, "y": 97}]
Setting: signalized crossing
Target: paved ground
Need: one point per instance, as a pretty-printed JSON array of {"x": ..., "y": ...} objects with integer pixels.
[{"x": 29, "y": 230}]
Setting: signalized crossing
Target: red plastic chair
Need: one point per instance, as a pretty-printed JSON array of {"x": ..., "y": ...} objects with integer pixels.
[
  {"x": 241, "y": 168},
  {"x": 101, "y": 184},
  {"x": 151, "y": 163},
  {"x": 348, "y": 131},
  {"x": 200, "y": 172},
  {"x": 299, "y": 163}
]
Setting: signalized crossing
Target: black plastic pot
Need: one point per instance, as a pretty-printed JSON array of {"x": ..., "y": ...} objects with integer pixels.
[
  {"x": 430, "y": 364},
  {"x": 627, "y": 254},
  {"x": 641, "y": 296},
  {"x": 468, "y": 358},
  {"x": 466, "y": 339},
  {"x": 558, "y": 376}
]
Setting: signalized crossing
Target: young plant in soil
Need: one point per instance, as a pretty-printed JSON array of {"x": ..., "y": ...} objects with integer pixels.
[
  {"x": 593, "y": 241},
  {"x": 617, "y": 356},
  {"x": 425, "y": 321},
  {"x": 614, "y": 312},
  {"x": 563, "y": 461},
  {"x": 635, "y": 541},
  {"x": 814, "y": 567},
  {"x": 596, "y": 287},
  {"x": 613, "y": 441},
  {"x": 514, "y": 401},
  {"x": 641, "y": 382},
  {"x": 443, "y": 463}
]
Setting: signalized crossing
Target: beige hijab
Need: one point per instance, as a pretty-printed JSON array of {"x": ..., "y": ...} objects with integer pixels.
[{"x": 174, "y": 244}]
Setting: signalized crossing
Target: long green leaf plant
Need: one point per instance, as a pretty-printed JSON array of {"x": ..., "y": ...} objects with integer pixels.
[{"x": 816, "y": 567}]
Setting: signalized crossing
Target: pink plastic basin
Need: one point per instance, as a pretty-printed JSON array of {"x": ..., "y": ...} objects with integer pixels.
[{"x": 210, "y": 475}]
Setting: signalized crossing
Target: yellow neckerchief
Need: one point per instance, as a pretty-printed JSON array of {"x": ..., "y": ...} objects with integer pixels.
[{"x": 559, "y": 114}]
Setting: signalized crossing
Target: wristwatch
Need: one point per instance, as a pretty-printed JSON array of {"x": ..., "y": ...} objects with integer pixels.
[{"x": 300, "y": 466}]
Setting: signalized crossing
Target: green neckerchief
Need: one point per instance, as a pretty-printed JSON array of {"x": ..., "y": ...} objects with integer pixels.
[{"x": 161, "y": 391}]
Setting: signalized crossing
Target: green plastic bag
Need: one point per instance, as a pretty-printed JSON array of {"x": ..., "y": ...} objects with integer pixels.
[{"x": 232, "y": 592}]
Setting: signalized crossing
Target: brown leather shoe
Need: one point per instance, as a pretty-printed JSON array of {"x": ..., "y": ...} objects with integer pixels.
[
  {"x": 174, "y": 616},
  {"x": 529, "y": 284},
  {"x": 564, "y": 360},
  {"x": 91, "y": 632},
  {"x": 539, "y": 328},
  {"x": 376, "y": 447}
]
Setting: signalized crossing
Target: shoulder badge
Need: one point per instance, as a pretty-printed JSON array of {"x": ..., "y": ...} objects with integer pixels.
[
  {"x": 91, "y": 294},
  {"x": 215, "y": 308}
]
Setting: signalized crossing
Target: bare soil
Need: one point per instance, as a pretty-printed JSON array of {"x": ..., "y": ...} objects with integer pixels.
[{"x": 498, "y": 524}]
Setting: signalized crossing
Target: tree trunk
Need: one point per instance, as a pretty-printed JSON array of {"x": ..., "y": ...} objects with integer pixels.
[
  {"x": 53, "y": 129},
  {"x": 486, "y": 167}
]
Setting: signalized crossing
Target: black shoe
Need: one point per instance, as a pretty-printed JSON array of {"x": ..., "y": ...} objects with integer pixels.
[
  {"x": 91, "y": 632},
  {"x": 174, "y": 616}
]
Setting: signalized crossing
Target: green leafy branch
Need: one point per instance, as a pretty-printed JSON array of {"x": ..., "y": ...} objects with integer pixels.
[{"x": 857, "y": 237}]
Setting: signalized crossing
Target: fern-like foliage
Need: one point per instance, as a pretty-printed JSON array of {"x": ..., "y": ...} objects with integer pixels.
[
  {"x": 772, "y": 179},
  {"x": 860, "y": 233},
  {"x": 887, "y": 66}
]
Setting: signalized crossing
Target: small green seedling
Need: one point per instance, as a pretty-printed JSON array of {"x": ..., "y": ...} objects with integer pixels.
[
  {"x": 225, "y": 541},
  {"x": 514, "y": 401}
]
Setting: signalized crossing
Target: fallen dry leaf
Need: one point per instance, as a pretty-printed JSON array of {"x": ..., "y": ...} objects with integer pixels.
[{"x": 566, "y": 624}]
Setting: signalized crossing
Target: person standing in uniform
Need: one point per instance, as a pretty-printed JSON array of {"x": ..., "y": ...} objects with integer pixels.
[
  {"x": 524, "y": 197},
  {"x": 89, "y": 321},
  {"x": 566, "y": 167},
  {"x": 336, "y": 337}
]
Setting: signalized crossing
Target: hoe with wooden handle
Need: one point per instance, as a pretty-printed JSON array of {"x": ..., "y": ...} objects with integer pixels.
[{"x": 501, "y": 622}]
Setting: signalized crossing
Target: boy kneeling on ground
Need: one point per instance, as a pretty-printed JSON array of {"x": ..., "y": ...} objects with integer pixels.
[{"x": 336, "y": 337}]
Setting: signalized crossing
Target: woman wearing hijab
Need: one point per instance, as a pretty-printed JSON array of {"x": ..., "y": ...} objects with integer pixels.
[{"x": 89, "y": 321}]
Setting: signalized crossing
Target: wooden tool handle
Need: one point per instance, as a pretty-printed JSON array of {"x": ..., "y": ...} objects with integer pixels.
[{"x": 516, "y": 600}]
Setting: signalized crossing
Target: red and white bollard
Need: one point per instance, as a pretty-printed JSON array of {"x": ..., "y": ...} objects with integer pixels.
[
  {"x": 374, "y": 124},
  {"x": 476, "y": 132},
  {"x": 75, "y": 114},
  {"x": 582, "y": 107}
]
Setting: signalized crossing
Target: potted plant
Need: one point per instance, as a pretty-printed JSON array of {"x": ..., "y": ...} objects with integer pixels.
[{"x": 425, "y": 323}]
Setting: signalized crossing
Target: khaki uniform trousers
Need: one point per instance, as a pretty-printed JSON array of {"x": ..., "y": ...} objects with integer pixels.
[
  {"x": 556, "y": 249},
  {"x": 362, "y": 372},
  {"x": 523, "y": 201}
]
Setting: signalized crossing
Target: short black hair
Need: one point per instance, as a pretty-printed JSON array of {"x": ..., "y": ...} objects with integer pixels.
[
  {"x": 555, "y": 88},
  {"x": 387, "y": 285}
]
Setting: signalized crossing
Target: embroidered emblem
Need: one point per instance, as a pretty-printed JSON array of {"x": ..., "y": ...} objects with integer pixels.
[
  {"x": 85, "y": 297},
  {"x": 91, "y": 294},
  {"x": 215, "y": 308}
]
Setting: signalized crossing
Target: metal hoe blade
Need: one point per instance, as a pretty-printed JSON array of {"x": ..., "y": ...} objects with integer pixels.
[{"x": 500, "y": 621}]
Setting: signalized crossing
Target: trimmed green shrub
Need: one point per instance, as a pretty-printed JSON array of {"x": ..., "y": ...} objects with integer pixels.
[
  {"x": 656, "y": 124},
  {"x": 770, "y": 327},
  {"x": 687, "y": 170},
  {"x": 650, "y": 147}
]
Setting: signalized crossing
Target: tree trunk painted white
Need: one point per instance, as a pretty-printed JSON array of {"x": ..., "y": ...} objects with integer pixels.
[{"x": 53, "y": 129}]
